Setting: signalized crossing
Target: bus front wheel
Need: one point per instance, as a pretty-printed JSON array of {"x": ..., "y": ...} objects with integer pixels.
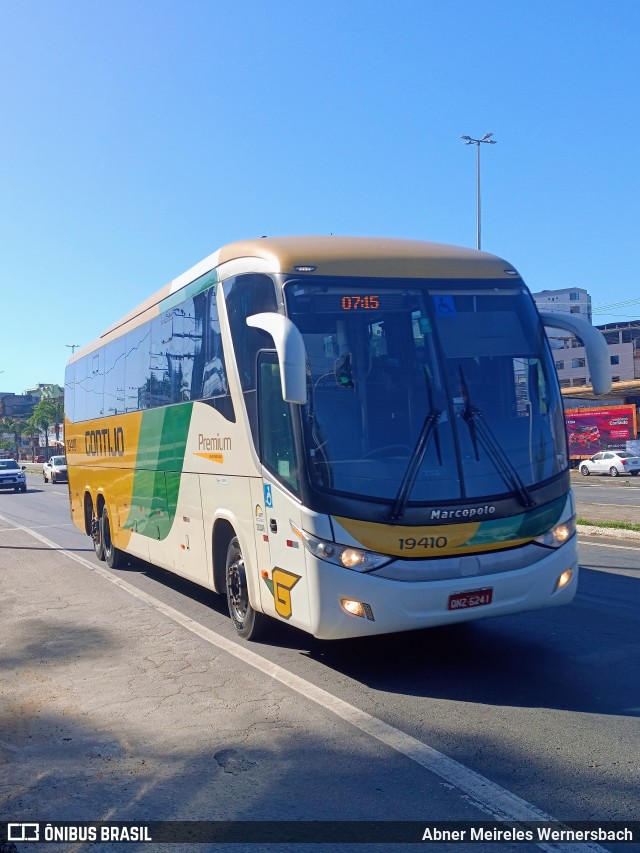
[
  {"x": 249, "y": 624},
  {"x": 113, "y": 556}
]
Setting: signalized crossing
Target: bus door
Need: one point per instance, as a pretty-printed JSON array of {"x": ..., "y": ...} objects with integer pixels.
[{"x": 284, "y": 589}]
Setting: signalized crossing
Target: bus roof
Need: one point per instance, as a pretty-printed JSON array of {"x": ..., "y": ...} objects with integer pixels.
[
  {"x": 367, "y": 256},
  {"x": 373, "y": 257}
]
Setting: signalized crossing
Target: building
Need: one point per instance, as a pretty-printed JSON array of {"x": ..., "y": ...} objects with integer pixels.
[
  {"x": 17, "y": 405},
  {"x": 623, "y": 340},
  {"x": 569, "y": 355},
  {"x": 46, "y": 390},
  {"x": 568, "y": 300}
]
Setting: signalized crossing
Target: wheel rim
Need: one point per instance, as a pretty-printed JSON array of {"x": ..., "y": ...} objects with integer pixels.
[
  {"x": 613, "y": 472},
  {"x": 237, "y": 589}
]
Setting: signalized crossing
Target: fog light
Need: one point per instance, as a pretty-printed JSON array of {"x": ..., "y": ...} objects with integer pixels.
[
  {"x": 564, "y": 578},
  {"x": 353, "y": 608},
  {"x": 357, "y": 608}
]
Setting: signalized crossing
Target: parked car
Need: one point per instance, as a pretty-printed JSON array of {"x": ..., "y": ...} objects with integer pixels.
[
  {"x": 584, "y": 434},
  {"x": 612, "y": 462},
  {"x": 55, "y": 470},
  {"x": 12, "y": 476}
]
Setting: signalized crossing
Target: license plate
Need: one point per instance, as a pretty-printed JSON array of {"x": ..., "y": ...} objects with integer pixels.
[{"x": 473, "y": 598}]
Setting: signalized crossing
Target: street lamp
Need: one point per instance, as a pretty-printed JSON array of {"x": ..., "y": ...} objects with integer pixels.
[
  {"x": 469, "y": 140},
  {"x": 72, "y": 347}
]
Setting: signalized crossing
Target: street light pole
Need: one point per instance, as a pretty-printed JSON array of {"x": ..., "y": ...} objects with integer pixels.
[
  {"x": 72, "y": 347},
  {"x": 469, "y": 140}
]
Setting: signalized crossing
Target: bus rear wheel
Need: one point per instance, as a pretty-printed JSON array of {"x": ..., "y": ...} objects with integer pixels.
[
  {"x": 249, "y": 624},
  {"x": 113, "y": 556},
  {"x": 96, "y": 536}
]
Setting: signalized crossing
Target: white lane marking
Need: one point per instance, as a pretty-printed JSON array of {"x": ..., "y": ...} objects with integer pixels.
[
  {"x": 624, "y": 484},
  {"x": 480, "y": 792},
  {"x": 604, "y": 545},
  {"x": 629, "y": 506},
  {"x": 39, "y": 527}
]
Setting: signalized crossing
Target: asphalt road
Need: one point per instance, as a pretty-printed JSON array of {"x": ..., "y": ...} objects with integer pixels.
[
  {"x": 616, "y": 491},
  {"x": 127, "y": 695}
]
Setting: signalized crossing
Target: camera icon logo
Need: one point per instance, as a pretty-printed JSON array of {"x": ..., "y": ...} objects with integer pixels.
[{"x": 23, "y": 832}]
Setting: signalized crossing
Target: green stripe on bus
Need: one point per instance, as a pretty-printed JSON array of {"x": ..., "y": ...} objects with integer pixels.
[
  {"x": 527, "y": 525},
  {"x": 188, "y": 292},
  {"x": 160, "y": 459}
]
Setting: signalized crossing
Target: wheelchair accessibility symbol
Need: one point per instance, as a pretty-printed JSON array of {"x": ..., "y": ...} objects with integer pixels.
[{"x": 445, "y": 306}]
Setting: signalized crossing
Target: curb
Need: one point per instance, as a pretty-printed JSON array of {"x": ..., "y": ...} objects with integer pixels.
[{"x": 613, "y": 532}]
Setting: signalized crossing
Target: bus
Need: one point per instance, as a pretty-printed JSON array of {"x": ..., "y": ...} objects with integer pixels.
[{"x": 353, "y": 436}]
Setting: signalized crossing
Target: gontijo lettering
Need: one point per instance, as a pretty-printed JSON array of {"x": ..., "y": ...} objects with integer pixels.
[{"x": 104, "y": 442}]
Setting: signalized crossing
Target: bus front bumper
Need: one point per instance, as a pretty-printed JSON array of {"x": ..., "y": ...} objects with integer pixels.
[{"x": 347, "y": 604}]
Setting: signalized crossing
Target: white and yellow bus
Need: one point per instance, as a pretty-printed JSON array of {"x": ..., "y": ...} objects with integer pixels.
[{"x": 353, "y": 436}]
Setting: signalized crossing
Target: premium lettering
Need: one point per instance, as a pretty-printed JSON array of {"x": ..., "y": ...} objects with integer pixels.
[{"x": 214, "y": 443}]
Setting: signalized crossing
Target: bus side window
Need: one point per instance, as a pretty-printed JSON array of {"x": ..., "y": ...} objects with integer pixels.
[
  {"x": 277, "y": 447},
  {"x": 245, "y": 295}
]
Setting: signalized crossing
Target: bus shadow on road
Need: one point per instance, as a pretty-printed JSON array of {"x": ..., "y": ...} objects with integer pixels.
[{"x": 574, "y": 657}]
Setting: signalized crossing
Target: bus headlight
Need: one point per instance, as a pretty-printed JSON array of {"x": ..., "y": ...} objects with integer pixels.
[
  {"x": 346, "y": 556},
  {"x": 559, "y": 534}
]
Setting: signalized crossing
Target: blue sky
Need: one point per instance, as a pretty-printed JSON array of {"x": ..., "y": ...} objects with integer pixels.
[{"x": 137, "y": 137}]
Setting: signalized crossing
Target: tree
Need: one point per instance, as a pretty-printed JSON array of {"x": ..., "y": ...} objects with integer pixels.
[
  {"x": 32, "y": 430},
  {"x": 48, "y": 413},
  {"x": 57, "y": 409},
  {"x": 16, "y": 428}
]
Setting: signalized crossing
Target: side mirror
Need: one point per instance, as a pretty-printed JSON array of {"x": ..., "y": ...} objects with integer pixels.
[
  {"x": 292, "y": 355},
  {"x": 594, "y": 344}
]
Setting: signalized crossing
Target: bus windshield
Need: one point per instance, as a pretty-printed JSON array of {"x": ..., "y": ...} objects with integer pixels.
[{"x": 426, "y": 391}]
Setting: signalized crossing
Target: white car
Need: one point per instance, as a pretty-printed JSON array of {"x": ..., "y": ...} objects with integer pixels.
[
  {"x": 611, "y": 462},
  {"x": 12, "y": 476},
  {"x": 55, "y": 470}
]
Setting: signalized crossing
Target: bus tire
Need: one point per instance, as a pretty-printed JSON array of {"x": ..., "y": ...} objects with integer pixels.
[
  {"x": 113, "y": 556},
  {"x": 249, "y": 624},
  {"x": 96, "y": 536}
]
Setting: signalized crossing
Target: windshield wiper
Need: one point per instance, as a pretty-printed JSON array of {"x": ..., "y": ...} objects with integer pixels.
[
  {"x": 480, "y": 432},
  {"x": 429, "y": 429}
]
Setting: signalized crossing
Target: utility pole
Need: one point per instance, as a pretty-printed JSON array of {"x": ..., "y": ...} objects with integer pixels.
[{"x": 469, "y": 140}]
